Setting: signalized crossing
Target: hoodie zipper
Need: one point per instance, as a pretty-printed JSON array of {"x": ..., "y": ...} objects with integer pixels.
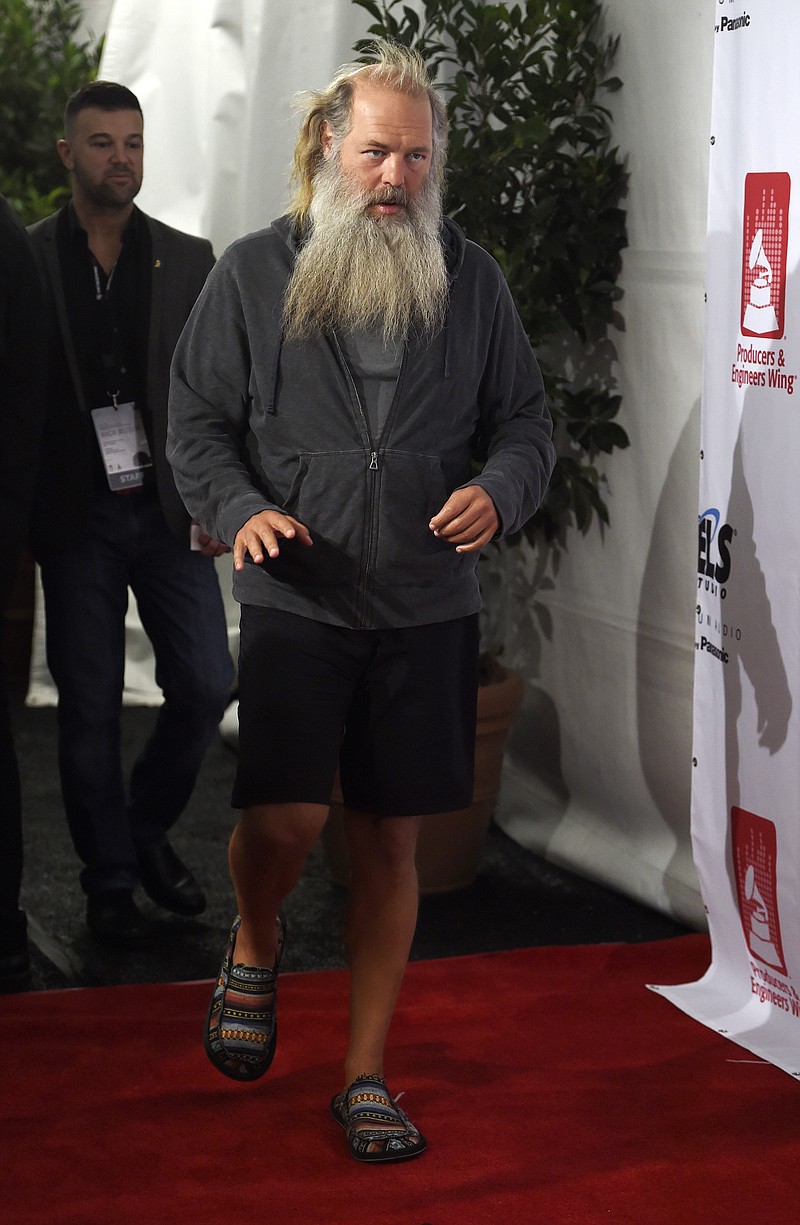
[{"x": 362, "y": 619}]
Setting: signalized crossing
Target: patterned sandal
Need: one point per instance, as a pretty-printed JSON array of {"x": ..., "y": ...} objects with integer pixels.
[
  {"x": 377, "y": 1129},
  {"x": 242, "y": 1023}
]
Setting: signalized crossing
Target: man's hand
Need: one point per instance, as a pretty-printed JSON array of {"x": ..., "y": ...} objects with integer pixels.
[
  {"x": 468, "y": 519},
  {"x": 205, "y": 545},
  {"x": 260, "y": 535}
]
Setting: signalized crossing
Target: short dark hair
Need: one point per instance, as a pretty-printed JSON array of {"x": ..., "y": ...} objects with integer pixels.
[{"x": 105, "y": 95}]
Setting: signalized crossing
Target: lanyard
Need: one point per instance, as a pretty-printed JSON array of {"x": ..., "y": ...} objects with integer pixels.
[
  {"x": 100, "y": 294},
  {"x": 110, "y": 360}
]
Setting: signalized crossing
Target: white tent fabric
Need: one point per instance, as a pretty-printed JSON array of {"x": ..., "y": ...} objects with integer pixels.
[
  {"x": 598, "y": 772},
  {"x": 215, "y": 79}
]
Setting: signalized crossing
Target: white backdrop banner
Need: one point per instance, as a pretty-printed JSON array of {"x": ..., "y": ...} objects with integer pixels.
[{"x": 746, "y": 784}]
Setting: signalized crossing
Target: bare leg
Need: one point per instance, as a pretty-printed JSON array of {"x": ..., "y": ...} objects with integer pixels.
[
  {"x": 381, "y": 918},
  {"x": 266, "y": 856},
  {"x": 267, "y": 852}
]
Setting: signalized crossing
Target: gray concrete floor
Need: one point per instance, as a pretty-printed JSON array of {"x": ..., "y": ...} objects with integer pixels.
[{"x": 517, "y": 900}]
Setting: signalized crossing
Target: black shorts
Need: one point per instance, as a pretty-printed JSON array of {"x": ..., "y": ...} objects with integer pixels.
[{"x": 394, "y": 709}]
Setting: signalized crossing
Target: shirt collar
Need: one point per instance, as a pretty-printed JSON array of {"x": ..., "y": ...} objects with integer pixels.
[{"x": 77, "y": 233}]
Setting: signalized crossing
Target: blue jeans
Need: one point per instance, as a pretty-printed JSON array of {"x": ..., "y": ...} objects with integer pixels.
[{"x": 128, "y": 544}]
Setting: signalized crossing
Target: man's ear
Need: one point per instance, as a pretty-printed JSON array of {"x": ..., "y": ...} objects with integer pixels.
[
  {"x": 65, "y": 152},
  {"x": 326, "y": 138}
]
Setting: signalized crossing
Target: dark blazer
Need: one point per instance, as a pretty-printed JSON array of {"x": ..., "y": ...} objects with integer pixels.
[
  {"x": 181, "y": 264},
  {"x": 21, "y": 383}
]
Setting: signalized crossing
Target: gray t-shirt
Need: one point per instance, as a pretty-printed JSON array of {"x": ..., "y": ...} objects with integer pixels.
[{"x": 375, "y": 367}]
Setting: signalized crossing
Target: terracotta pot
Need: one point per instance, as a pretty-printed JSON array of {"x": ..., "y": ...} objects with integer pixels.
[{"x": 451, "y": 843}]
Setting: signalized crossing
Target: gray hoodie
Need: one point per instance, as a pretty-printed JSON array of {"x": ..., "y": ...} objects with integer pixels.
[{"x": 258, "y": 422}]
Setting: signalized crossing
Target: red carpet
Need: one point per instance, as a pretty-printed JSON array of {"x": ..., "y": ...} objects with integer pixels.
[{"x": 552, "y": 1086}]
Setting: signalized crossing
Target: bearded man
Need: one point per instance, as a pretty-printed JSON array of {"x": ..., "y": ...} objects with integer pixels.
[{"x": 338, "y": 374}]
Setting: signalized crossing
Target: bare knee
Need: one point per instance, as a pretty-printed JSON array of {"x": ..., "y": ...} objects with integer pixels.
[
  {"x": 283, "y": 830},
  {"x": 384, "y": 846}
]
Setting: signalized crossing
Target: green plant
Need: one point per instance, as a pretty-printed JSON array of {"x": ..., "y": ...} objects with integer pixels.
[
  {"x": 41, "y": 64},
  {"x": 534, "y": 179}
]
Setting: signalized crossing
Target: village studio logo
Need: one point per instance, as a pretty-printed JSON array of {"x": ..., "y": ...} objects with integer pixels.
[
  {"x": 765, "y": 242},
  {"x": 713, "y": 552},
  {"x": 713, "y": 571}
]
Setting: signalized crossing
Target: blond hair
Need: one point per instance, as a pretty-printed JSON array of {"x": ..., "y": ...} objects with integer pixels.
[{"x": 394, "y": 67}]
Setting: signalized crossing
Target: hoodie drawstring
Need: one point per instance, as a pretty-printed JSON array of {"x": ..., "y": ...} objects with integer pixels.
[{"x": 274, "y": 373}]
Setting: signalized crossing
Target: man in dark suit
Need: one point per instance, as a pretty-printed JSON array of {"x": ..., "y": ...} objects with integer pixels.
[
  {"x": 107, "y": 517},
  {"x": 20, "y": 420}
]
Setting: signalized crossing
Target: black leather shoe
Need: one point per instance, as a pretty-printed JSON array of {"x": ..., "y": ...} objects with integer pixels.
[
  {"x": 168, "y": 881},
  {"x": 15, "y": 966},
  {"x": 15, "y": 972},
  {"x": 113, "y": 917}
]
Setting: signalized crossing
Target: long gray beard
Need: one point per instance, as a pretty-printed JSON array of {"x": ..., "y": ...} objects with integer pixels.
[{"x": 357, "y": 272}]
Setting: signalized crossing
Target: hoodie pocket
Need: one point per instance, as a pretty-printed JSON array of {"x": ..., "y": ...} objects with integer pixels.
[
  {"x": 328, "y": 495},
  {"x": 412, "y": 491}
]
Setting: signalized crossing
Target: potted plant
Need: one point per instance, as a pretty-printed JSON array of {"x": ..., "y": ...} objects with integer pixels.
[
  {"x": 41, "y": 64},
  {"x": 534, "y": 179}
]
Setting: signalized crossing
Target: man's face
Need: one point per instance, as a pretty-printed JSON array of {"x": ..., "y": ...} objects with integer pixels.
[
  {"x": 387, "y": 151},
  {"x": 104, "y": 154}
]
